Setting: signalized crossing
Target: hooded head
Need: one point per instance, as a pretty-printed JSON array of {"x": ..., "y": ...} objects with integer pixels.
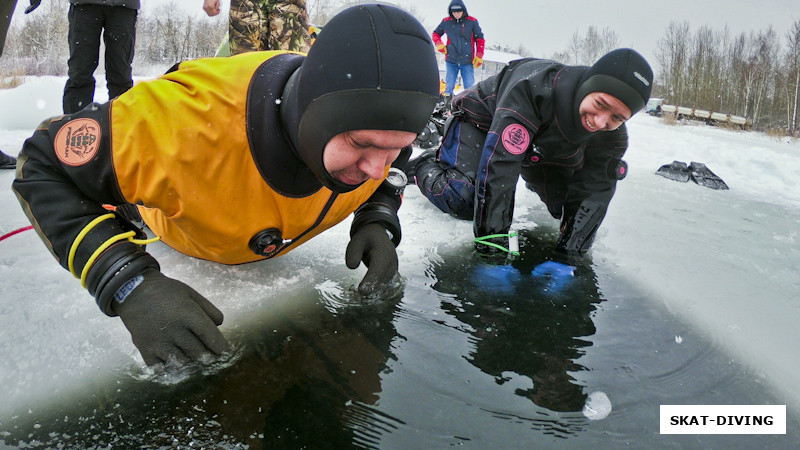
[
  {"x": 456, "y": 6},
  {"x": 372, "y": 68},
  {"x": 622, "y": 73}
]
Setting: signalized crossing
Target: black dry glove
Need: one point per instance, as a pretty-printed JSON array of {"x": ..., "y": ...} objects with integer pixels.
[
  {"x": 372, "y": 245},
  {"x": 492, "y": 254},
  {"x": 166, "y": 317},
  {"x": 579, "y": 229},
  {"x": 34, "y": 4}
]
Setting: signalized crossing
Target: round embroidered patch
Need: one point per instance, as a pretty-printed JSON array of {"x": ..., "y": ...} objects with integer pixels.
[
  {"x": 77, "y": 141},
  {"x": 516, "y": 139}
]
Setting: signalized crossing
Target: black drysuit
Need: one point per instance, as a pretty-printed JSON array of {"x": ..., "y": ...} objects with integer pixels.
[{"x": 525, "y": 121}]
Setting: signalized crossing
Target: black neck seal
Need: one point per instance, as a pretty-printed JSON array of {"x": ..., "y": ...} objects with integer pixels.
[{"x": 272, "y": 149}]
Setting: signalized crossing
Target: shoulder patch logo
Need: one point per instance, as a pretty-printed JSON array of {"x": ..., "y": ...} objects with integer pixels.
[
  {"x": 516, "y": 139},
  {"x": 77, "y": 141}
]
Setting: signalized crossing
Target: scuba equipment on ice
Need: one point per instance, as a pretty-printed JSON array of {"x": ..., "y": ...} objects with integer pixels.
[{"x": 431, "y": 135}]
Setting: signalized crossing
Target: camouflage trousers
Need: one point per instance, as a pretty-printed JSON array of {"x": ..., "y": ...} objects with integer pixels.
[{"x": 268, "y": 25}]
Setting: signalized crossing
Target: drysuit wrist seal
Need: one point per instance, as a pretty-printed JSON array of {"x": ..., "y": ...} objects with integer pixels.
[
  {"x": 105, "y": 280},
  {"x": 381, "y": 214}
]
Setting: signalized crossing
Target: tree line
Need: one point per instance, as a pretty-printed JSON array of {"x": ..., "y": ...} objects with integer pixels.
[{"x": 755, "y": 74}]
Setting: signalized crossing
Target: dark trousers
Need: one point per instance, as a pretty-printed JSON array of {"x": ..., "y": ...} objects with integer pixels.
[
  {"x": 6, "y": 12},
  {"x": 448, "y": 180},
  {"x": 117, "y": 25}
]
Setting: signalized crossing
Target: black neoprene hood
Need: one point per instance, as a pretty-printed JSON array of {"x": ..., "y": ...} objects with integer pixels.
[{"x": 371, "y": 68}]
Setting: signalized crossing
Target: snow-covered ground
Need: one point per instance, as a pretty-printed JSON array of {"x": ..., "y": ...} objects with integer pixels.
[{"x": 726, "y": 262}]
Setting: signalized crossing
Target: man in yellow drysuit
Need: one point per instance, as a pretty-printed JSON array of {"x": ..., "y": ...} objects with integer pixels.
[{"x": 232, "y": 160}]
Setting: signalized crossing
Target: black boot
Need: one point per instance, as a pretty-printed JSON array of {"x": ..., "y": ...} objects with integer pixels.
[
  {"x": 7, "y": 162},
  {"x": 447, "y": 99},
  {"x": 410, "y": 168}
]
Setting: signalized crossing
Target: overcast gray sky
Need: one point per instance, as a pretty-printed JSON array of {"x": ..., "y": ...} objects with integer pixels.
[{"x": 545, "y": 27}]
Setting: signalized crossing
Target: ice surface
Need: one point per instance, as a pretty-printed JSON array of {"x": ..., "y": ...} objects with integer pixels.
[{"x": 725, "y": 260}]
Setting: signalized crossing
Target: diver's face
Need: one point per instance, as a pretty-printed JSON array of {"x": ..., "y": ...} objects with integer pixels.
[
  {"x": 353, "y": 157},
  {"x": 602, "y": 112}
]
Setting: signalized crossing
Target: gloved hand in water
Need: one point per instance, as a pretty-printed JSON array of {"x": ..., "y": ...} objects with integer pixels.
[
  {"x": 496, "y": 248},
  {"x": 495, "y": 278},
  {"x": 372, "y": 245},
  {"x": 494, "y": 273},
  {"x": 168, "y": 319},
  {"x": 558, "y": 275}
]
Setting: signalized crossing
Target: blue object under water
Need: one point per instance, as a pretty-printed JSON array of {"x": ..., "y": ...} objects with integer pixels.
[
  {"x": 502, "y": 279},
  {"x": 499, "y": 279},
  {"x": 558, "y": 275}
]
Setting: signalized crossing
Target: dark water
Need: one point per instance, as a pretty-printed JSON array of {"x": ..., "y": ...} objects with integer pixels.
[{"x": 453, "y": 359}]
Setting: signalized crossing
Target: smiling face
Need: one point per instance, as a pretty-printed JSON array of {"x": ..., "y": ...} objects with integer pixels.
[
  {"x": 353, "y": 157},
  {"x": 602, "y": 112}
]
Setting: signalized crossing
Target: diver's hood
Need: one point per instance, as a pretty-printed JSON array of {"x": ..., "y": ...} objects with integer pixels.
[
  {"x": 371, "y": 68},
  {"x": 567, "y": 104}
]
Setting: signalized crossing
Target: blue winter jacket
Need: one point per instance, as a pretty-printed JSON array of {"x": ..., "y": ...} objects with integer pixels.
[{"x": 464, "y": 36}]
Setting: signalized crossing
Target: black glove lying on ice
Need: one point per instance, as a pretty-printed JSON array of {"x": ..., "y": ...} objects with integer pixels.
[
  {"x": 372, "y": 245},
  {"x": 168, "y": 318},
  {"x": 34, "y": 4}
]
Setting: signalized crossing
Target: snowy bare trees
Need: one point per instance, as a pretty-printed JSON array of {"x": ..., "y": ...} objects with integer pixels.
[
  {"x": 791, "y": 85},
  {"x": 40, "y": 46},
  {"x": 169, "y": 35},
  {"x": 749, "y": 74},
  {"x": 756, "y": 74},
  {"x": 587, "y": 48}
]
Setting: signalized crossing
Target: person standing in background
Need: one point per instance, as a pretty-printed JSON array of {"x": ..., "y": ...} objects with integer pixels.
[
  {"x": 464, "y": 49},
  {"x": 211, "y": 7},
  {"x": 6, "y": 12},
  {"x": 88, "y": 19},
  {"x": 257, "y": 25}
]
